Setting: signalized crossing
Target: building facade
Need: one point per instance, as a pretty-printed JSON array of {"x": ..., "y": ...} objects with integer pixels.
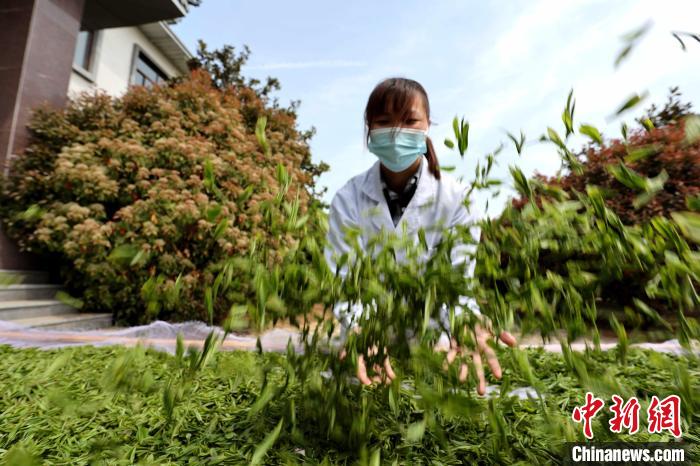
[
  {"x": 55, "y": 49},
  {"x": 112, "y": 59}
]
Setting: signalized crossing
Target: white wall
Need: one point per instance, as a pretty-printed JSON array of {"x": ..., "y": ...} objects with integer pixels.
[{"x": 113, "y": 59}]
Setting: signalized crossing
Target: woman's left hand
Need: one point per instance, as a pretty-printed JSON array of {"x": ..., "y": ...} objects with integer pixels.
[{"x": 483, "y": 335}]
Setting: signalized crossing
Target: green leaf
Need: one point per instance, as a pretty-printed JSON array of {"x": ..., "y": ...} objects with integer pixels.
[
  {"x": 141, "y": 257},
  {"x": 689, "y": 223},
  {"x": 375, "y": 458},
  {"x": 169, "y": 400},
  {"x": 282, "y": 174},
  {"x": 622, "y": 55},
  {"x": 692, "y": 129},
  {"x": 519, "y": 143},
  {"x": 693, "y": 203},
  {"x": 415, "y": 431},
  {"x": 627, "y": 176},
  {"x": 213, "y": 212},
  {"x": 678, "y": 38},
  {"x": 123, "y": 254},
  {"x": 642, "y": 153},
  {"x": 220, "y": 228},
  {"x": 651, "y": 188},
  {"x": 447, "y": 168},
  {"x": 567, "y": 115},
  {"x": 631, "y": 39},
  {"x": 245, "y": 195},
  {"x": 34, "y": 212},
  {"x": 260, "y": 134},
  {"x": 69, "y": 300},
  {"x": 636, "y": 34},
  {"x": 449, "y": 143},
  {"x": 622, "y": 340},
  {"x": 521, "y": 183},
  {"x": 464, "y": 140},
  {"x": 179, "y": 347},
  {"x": 554, "y": 137},
  {"x": 266, "y": 444},
  {"x": 631, "y": 102},
  {"x": 236, "y": 319},
  {"x": 592, "y": 132},
  {"x": 209, "y": 181}
]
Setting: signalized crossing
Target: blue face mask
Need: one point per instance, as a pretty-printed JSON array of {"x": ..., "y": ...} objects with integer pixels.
[{"x": 399, "y": 150}]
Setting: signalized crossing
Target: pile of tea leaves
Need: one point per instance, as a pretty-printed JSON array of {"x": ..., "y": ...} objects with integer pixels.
[{"x": 87, "y": 405}]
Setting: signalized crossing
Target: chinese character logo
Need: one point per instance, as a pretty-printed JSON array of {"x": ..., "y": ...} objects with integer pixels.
[
  {"x": 626, "y": 415},
  {"x": 665, "y": 415},
  {"x": 662, "y": 415},
  {"x": 586, "y": 413}
]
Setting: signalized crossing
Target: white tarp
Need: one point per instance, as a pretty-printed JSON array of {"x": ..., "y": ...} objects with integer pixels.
[
  {"x": 159, "y": 335},
  {"x": 162, "y": 335}
]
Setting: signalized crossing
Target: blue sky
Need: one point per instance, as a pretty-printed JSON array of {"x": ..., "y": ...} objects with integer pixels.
[{"x": 502, "y": 64}]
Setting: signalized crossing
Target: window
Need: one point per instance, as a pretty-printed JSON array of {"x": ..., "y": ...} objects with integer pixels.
[
  {"x": 146, "y": 72},
  {"x": 84, "y": 47}
]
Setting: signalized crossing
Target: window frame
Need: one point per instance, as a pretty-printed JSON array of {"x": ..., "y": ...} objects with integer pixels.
[
  {"x": 89, "y": 73},
  {"x": 134, "y": 61}
]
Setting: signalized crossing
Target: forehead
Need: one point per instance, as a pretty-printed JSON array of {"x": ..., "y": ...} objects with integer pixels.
[{"x": 415, "y": 106}]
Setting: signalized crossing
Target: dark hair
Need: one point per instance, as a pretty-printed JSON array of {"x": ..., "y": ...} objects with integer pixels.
[{"x": 393, "y": 96}]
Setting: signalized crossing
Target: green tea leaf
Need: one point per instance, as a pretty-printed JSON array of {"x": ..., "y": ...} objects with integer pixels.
[
  {"x": 693, "y": 203},
  {"x": 631, "y": 102},
  {"x": 415, "y": 431},
  {"x": 592, "y": 132},
  {"x": 641, "y": 153},
  {"x": 266, "y": 444},
  {"x": 260, "y": 134},
  {"x": 123, "y": 254},
  {"x": 518, "y": 142},
  {"x": 69, "y": 300},
  {"x": 689, "y": 223},
  {"x": 691, "y": 125}
]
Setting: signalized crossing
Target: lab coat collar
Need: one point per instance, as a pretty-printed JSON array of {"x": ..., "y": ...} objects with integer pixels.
[{"x": 425, "y": 191}]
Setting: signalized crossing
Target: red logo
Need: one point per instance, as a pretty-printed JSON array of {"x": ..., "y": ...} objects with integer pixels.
[
  {"x": 662, "y": 414},
  {"x": 665, "y": 415},
  {"x": 626, "y": 415},
  {"x": 586, "y": 413}
]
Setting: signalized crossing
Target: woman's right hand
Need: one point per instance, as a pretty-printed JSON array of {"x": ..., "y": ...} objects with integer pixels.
[{"x": 381, "y": 374}]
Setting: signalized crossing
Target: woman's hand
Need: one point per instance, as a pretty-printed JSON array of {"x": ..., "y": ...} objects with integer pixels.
[
  {"x": 385, "y": 374},
  {"x": 483, "y": 335},
  {"x": 382, "y": 374}
]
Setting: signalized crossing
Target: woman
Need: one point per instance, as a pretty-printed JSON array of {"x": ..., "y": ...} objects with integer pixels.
[{"x": 403, "y": 189}]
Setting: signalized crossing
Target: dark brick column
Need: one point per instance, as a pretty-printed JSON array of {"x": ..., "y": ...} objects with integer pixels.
[{"x": 38, "y": 42}]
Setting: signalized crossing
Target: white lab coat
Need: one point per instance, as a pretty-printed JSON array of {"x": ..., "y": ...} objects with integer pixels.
[{"x": 360, "y": 203}]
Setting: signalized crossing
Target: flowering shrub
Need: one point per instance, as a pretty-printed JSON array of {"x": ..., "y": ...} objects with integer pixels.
[
  {"x": 157, "y": 188},
  {"x": 648, "y": 153},
  {"x": 652, "y": 172}
]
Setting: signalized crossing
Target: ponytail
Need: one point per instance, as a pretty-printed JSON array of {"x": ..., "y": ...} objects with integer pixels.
[{"x": 433, "y": 164}]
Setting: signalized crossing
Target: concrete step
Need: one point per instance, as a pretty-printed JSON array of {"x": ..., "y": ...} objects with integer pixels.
[
  {"x": 27, "y": 292},
  {"x": 30, "y": 308},
  {"x": 75, "y": 321},
  {"x": 24, "y": 276}
]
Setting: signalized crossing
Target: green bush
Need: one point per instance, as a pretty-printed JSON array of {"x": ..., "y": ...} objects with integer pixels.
[
  {"x": 147, "y": 193},
  {"x": 651, "y": 173}
]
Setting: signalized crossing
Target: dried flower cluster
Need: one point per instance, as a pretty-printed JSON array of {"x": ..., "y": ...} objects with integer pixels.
[{"x": 106, "y": 173}]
